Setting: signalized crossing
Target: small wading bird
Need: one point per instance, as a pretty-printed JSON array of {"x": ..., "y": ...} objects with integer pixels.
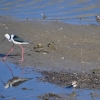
[
  {"x": 97, "y": 18},
  {"x": 73, "y": 85},
  {"x": 16, "y": 40}
]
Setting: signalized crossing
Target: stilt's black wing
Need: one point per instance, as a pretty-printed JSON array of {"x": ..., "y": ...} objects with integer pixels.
[
  {"x": 18, "y": 39},
  {"x": 18, "y": 83}
]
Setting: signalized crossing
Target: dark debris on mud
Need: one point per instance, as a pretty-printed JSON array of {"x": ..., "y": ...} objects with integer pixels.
[
  {"x": 53, "y": 96},
  {"x": 84, "y": 80},
  {"x": 49, "y": 96}
]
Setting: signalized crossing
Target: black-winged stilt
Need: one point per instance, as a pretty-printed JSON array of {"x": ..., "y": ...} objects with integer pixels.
[{"x": 16, "y": 40}]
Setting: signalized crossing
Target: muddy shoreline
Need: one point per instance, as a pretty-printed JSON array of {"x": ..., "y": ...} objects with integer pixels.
[{"x": 57, "y": 47}]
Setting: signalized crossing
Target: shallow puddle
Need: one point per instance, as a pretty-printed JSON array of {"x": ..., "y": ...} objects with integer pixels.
[{"x": 34, "y": 89}]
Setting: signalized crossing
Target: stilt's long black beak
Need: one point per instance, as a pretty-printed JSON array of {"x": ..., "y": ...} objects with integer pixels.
[{"x": 2, "y": 40}]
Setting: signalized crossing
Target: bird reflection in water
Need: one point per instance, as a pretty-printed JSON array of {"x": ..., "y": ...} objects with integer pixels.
[{"x": 14, "y": 81}]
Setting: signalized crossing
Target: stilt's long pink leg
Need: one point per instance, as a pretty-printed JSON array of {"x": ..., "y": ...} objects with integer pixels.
[
  {"x": 22, "y": 53},
  {"x": 4, "y": 58}
]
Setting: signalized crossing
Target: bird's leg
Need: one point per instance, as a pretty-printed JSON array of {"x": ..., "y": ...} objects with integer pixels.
[
  {"x": 9, "y": 68},
  {"x": 21, "y": 72},
  {"x": 22, "y": 53},
  {"x": 4, "y": 58}
]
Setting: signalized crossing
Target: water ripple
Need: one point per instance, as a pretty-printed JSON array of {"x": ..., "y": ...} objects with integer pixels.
[{"x": 61, "y": 10}]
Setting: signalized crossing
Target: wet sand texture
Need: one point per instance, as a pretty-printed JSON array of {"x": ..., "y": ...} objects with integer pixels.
[{"x": 62, "y": 46}]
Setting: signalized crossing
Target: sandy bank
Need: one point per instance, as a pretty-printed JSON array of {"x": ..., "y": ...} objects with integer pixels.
[{"x": 75, "y": 47}]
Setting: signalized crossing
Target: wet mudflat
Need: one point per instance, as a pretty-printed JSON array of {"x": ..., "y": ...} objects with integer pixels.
[
  {"x": 37, "y": 86},
  {"x": 60, "y": 53},
  {"x": 84, "y": 80}
]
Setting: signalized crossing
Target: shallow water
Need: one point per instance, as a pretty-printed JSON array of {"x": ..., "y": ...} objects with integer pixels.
[
  {"x": 67, "y": 11},
  {"x": 33, "y": 88}
]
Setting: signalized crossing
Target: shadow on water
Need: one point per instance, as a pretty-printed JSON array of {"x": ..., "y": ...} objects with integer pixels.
[
  {"x": 23, "y": 84},
  {"x": 3, "y": 55}
]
